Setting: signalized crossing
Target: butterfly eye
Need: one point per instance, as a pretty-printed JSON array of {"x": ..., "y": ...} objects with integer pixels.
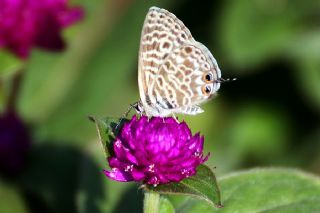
[
  {"x": 208, "y": 77},
  {"x": 206, "y": 89}
]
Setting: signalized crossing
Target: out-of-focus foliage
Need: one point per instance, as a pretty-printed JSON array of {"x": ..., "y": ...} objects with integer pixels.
[
  {"x": 11, "y": 200},
  {"x": 268, "y": 117}
]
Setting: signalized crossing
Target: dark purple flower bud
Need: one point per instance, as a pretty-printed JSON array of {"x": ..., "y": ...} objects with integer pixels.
[
  {"x": 155, "y": 151},
  {"x": 14, "y": 144},
  {"x": 28, "y": 23}
]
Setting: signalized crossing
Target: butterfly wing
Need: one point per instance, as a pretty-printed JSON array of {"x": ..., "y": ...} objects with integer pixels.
[
  {"x": 188, "y": 77},
  {"x": 162, "y": 33}
]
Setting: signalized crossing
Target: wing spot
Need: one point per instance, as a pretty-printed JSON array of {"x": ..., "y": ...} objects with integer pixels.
[
  {"x": 184, "y": 87},
  {"x": 187, "y": 63},
  {"x": 188, "y": 50},
  {"x": 188, "y": 72},
  {"x": 160, "y": 82},
  {"x": 163, "y": 35},
  {"x": 166, "y": 45},
  {"x": 168, "y": 64},
  {"x": 182, "y": 68},
  {"x": 170, "y": 93}
]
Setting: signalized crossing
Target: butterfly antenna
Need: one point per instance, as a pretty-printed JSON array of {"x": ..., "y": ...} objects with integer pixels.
[{"x": 222, "y": 80}]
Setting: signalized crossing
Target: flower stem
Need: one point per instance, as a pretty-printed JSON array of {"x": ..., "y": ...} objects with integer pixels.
[
  {"x": 151, "y": 202},
  {"x": 14, "y": 93}
]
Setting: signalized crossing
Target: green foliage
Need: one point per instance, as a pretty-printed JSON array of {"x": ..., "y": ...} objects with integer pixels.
[
  {"x": 258, "y": 131},
  {"x": 11, "y": 200},
  {"x": 9, "y": 64},
  {"x": 64, "y": 184},
  {"x": 255, "y": 31},
  {"x": 203, "y": 185},
  {"x": 165, "y": 206},
  {"x": 265, "y": 190},
  {"x": 107, "y": 130},
  {"x": 269, "y": 116}
]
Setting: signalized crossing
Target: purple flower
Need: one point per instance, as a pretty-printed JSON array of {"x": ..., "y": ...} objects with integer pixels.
[
  {"x": 155, "y": 151},
  {"x": 28, "y": 23},
  {"x": 14, "y": 143}
]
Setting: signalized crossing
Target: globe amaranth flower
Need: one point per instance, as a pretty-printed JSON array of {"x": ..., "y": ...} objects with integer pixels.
[
  {"x": 155, "y": 151},
  {"x": 28, "y": 23},
  {"x": 14, "y": 144}
]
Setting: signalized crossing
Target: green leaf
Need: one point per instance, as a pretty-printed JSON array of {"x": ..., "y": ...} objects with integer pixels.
[
  {"x": 165, "y": 206},
  {"x": 107, "y": 130},
  {"x": 9, "y": 64},
  {"x": 203, "y": 185},
  {"x": 265, "y": 190}
]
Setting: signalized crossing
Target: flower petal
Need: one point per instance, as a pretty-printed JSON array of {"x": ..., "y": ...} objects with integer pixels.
[{"x": 118, "y": 175}]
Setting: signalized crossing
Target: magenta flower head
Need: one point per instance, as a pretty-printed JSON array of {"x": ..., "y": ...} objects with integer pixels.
[
  {"x": 28, "y": 23},
  {"x": 155, "y": 151}
]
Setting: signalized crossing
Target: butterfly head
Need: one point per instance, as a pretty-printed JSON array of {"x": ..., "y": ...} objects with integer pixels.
[
  {"x": 212, "y": 85},
  {"x": 138, "y": 106}
]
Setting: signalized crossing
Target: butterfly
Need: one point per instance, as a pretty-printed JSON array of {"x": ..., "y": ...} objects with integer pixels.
[{"x": 176, "y": 73}]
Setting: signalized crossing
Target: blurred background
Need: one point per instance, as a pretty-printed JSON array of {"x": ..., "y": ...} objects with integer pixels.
[{"x": 269, "y": 117}]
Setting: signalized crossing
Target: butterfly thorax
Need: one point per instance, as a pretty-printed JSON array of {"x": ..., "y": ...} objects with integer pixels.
[{"x": 150, "y": 109}]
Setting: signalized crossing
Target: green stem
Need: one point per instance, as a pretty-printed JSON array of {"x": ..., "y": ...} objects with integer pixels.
[
  {"x": 151, "y": 202},
  {"x": 14, "y": 93}
]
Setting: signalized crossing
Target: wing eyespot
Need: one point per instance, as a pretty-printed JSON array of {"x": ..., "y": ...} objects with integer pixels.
[
  {"x": 208, "y": 77},
  {"x": 206, "y": 89}
]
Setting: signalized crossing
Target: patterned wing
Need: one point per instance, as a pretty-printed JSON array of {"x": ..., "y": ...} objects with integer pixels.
[
  {"x": 188, "y": 77},
  {"x": 162, "y": 33}
]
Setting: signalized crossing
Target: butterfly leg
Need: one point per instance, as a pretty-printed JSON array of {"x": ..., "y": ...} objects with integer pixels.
[
  {"x": 134, "y": 105},
  {"x": 175, "y": 118}
]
